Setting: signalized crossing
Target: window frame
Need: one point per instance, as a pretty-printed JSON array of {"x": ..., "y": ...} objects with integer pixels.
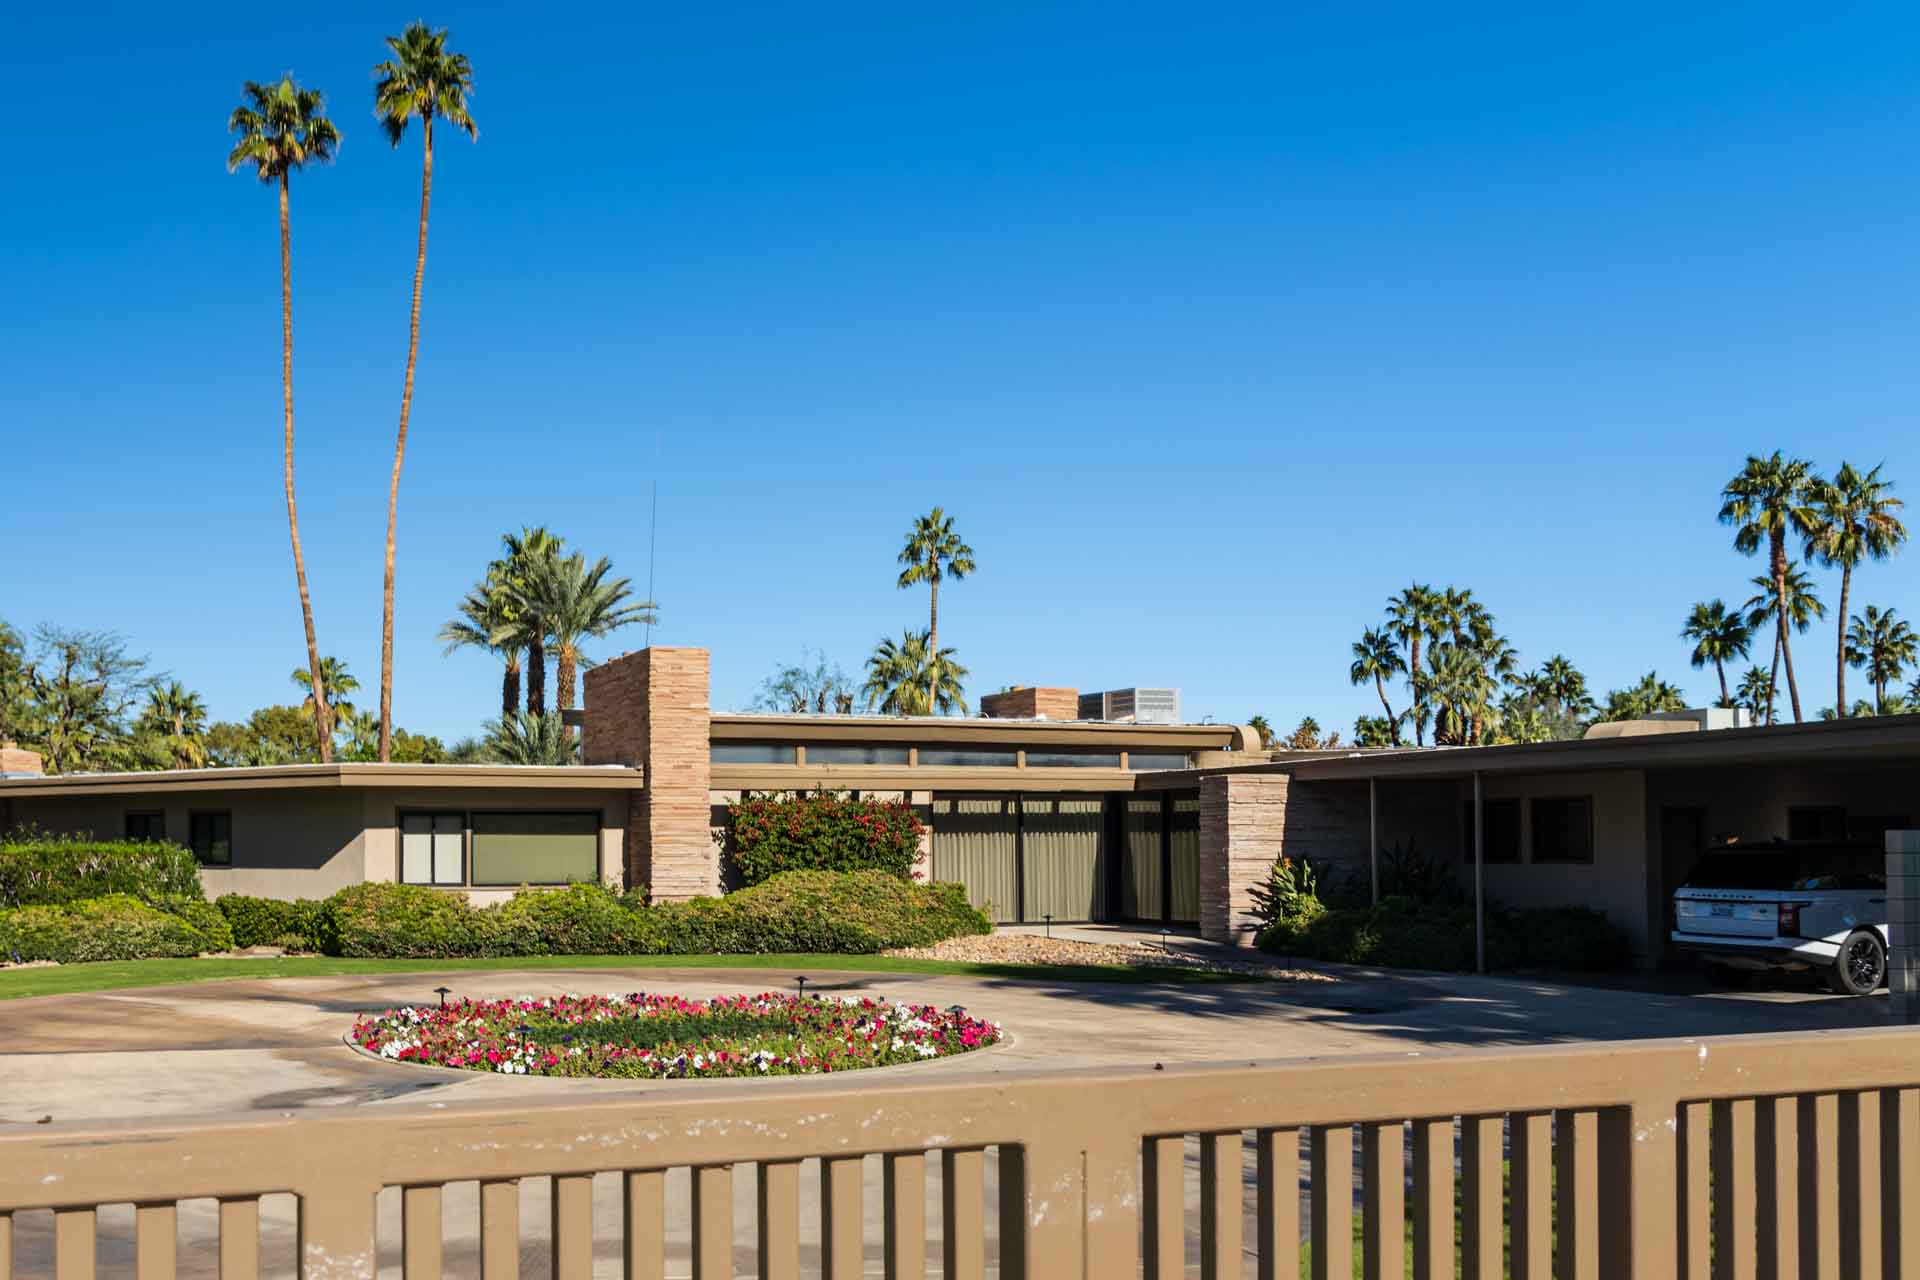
[
  {"x": 598, "y": 831},
  {"x": 1533, "y": 831},
  {"x": 1011, "y": 761},
  {"x": 714, "y": 750},
  {"x": 194, "y": 816},
  {"x": 400, "y": 817},
  {"x": 816, "y": 750},
  {"x": 1135, "y": 757},
  {"x": 126, "y": 825}
]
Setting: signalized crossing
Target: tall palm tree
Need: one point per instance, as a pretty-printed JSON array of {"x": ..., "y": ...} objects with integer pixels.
[
  {"x": 528, "y": 553},
  {"x": 281, "y": 128},
  {"x": 1719, "y": 635},
  {"x": 1376, "y": 657},
  {"x": 531, "y": 739},
  {"x": 336, "y": 682},
  {"x": 574, "y": 602},
  {"x": 933, "y": 551},
  {"x": 1790, "y": 601},
  {"x": 424, "y": 80},
  {"x": 1885, "y": 645},
  {"x": 1260, "y": 726},
  {"x": 1566, "y": 686},
  {"x": 1755, "y": 693},
  {"x": 486, "y": 621},
  {"x": 1856, "y": 518},
  {"x": 912, "y": 678},
  {"x": 177, "y": 714},
  {"x": 1416, "y": 614},
  {"x": 1768, "y": 501}
]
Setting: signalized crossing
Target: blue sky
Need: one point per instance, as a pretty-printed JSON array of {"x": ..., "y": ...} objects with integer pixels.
[{"x": 1212, "y": 325}]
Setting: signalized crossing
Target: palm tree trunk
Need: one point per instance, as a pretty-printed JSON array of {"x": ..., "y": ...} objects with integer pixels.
[
  {"x": 1780, "y": 609},
  {"x": 537, "y": 676},
  {"x": 933, "y": 639},
  {"x": 1720, "y": 669},
  {"x": 510, "y": 689},
  {"x": 565, "y": 662},
  {"x": 400, "y": 456},
  {"x": 1393, "y": 726},
  {"x": 1413, "y": 686},
  {"x": 1773, "y": 676},
  {"x": 1840, "y": 647},
  {"x": 323, "y": 726}
]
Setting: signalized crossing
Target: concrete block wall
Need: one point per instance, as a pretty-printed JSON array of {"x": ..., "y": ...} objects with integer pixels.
[
  {"x": 649, "y": 709},
  {"x": 1903, "y": 923}
]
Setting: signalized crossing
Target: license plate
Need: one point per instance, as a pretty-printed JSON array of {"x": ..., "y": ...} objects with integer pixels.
[{"x": 1722, "y": 909}]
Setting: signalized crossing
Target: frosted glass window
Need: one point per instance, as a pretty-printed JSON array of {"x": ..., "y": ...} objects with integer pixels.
[
  {"x": 535, "y": 848},
  {"x": 430, "y": 848}
]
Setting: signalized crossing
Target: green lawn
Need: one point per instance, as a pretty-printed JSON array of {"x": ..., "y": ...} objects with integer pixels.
[{"x": 106, "y": 976}]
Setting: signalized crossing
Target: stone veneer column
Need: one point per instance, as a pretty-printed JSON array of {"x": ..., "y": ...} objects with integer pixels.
[
  {"x": 1903, "y": 924},
  {"x": 649, "y": 709},
  {"x": 1243, "y": 822}
]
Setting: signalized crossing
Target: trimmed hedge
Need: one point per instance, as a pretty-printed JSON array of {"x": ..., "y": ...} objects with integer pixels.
[
  {"x": 114, "y": 927},
  {"x": 820, "y": 831},
  {"x": 858, "y": 914},
  {"x": 1403, "y": 933},
  {"x": 273, "y": 922},
  {"x": 42, "y": 870}
]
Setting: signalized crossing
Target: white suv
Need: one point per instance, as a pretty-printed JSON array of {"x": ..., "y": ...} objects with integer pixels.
[{"x": 1789, "y": 906}]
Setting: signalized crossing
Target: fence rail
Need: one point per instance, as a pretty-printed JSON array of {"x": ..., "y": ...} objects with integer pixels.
[{"x": 1710, "y": 1159}]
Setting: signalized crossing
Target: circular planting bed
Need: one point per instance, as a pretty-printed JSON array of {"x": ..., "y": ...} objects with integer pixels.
[{"x": 667, "y": 1037}]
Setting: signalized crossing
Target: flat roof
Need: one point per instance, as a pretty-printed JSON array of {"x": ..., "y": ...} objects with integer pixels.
[
  {"x": 737, "y": 726},
  {"x": 333, "y": 776}
]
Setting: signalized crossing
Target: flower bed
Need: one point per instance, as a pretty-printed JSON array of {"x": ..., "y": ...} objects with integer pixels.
[{"x": 668, "y": 1037}]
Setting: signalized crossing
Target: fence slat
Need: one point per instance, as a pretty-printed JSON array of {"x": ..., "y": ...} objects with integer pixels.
[
  {"x": 1733, "y": 1189},
  {"x": 963, "y": 1206},
  {"x": 1383, "y": 1183},
  {"x": 420, "y": 1234},
  {"x": 337, "y": 1232},
  {"x": 1164, "y": 1161},
  {"x": 1900, "y": 1180},
  {"x": 73, "y": 1251},
  {"x": 1222, "y": 1175},
  {"x": 1330, "y": 1152},
  {"x": 500, "y": 1230},
  {"x": 1531, "y": 1140},
  {"x": 1277, "y": 1157},
  {"x": 777, "y": 1198},
  {"x": 1011, "y": 1174},
  {"x": 1695, "y": 1245},
  {"x": 712, "y": 1213},
  {"x": 156, "y": 1243},
  {"x": 1860, "y": 1192},
  {"x": 904, "y": 1201},
  {"x": 1819, "y": 1187},
  {"x": 6, "y": 1246},
  {"x": 572, "y": 1227},
  {"x": 840, "y": 1235},
  {"x": 240, "y": 1241},
  {"x": 1576, "y": 1162},
  {"x": 1776, "y": 1183},
  {"x": 1480, "y": 1207},
  {"x": 1432, "y": 1199},
  {"x": 1641, "y": 1144},
  {"x": 643, "y": 1223}
]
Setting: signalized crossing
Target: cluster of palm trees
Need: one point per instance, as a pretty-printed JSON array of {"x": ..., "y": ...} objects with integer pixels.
[
  {"x": 281, "y": 128},
  {"x": 915, "y": 676},
  {"x": 536, "y": 601},
  {"x": 1774, "y": 503}
]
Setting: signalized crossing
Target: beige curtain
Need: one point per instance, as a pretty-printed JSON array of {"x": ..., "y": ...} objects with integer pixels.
[
  {"x": 973, "y": 845},
  {"x": 1185, "y": 839},
  {"x": 1140, "y": 887},
  {"x": 1064, "y": 865}
]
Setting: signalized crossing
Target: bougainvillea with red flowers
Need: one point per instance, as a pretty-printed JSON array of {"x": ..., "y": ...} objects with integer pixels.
[
  {"x": 671, "y": 1037},
  {"x": 821, "y": 831}
]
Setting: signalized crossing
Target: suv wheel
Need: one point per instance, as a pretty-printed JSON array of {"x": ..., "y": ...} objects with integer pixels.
[{"x": 1861, "y": 966}]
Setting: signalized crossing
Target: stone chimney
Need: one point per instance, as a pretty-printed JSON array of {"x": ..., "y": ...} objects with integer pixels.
[
  {"x": 649, "y": 710},
  {"x": 1027, "y": 702},
  {"x": 16, "y": 759}
]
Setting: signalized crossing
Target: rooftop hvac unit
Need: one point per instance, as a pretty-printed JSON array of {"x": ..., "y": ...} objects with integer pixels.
[{"x": 1132, "y": 706}]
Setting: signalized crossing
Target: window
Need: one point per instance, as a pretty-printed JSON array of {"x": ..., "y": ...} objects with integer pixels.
[
  {"x": 433, "y": 848},
  {"x": 1143, "y": 761},
  {"x": 1817, "y": 822},
  {"x": 1503, "y": 831},
  {"x": 146, "y": 824},
  {"x": 965, "y": 756},
  {"x": 751, "y": 753},
  {"x": 210, "y": 836},
  {"x": 833, "y": 753},
  {"x": 1073, "y": 759},
  {"x": 535, "y": 848},
  {"x": 1562, "y": 829}
]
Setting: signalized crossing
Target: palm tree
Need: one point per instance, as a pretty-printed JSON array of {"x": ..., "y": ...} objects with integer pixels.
[
  {"x": 281, "y": 128},
  {"x": 177, "y": 714},
  {"x": 1885, "y": 645},
  {"x": 1767, "y": 501},
  {"x": 912, "y": 678},
  {"x": 1756, "y": 694},
  {"x": 1855, "y": 520},
  {"x": 1260, "y": 726},
  {"x": 933, "y": 551},
  {"x": 574, "y": 602},
  {"x": 1376, "y": 657},
  {"x": 531, "y": 739},
  {"x": 488, "y": 612},
  {"x": 422, "y": 79},
  {"x": 1719, "y": 636},
  {"x": 1413, "y": 615},
  {"x": 1792, "y": 602},
  {"x": 1566, "y": 686},
  {"x": 335, "y": 683},
  {"x": 1650, "y": 695},
  {"x": 527, "y": 554},
  {"x": 1461, "y": 689}
]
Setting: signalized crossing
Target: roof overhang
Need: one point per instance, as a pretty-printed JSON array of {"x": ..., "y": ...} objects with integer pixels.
[
  {"x": 309, "y": 777},
  {"x": 925, "y": 730}
]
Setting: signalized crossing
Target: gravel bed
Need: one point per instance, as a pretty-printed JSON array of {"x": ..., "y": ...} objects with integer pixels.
[{"x": 1022, "y": 948}]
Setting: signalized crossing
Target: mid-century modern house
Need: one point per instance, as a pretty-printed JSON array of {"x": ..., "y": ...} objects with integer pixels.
[{"x": 1040, "y": 814}]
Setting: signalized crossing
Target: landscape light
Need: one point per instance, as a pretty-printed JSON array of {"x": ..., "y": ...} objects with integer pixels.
[{"x": 442, "y": 992}]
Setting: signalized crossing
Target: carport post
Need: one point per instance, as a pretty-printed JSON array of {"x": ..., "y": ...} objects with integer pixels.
[
  {"x": 1373, "y": 835},
  {"x": 1479, "y": 885}
]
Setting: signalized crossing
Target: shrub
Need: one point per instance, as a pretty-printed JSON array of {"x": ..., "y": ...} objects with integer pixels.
[
  {"x": 43, "y": 870},
  {"x": 409, "y": 921},
  {"x": 1404, "y": 933},
  {"x": 115, "y": 927},
  {"x": 207, "y": 920},
  {"x": 803, "y": 911},
  {"x": 582, "y": 920},
  {"x": 271, "y": 922},
  {"x": 820, "y": 831},
  {"x": 1291, "y": 889}
]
